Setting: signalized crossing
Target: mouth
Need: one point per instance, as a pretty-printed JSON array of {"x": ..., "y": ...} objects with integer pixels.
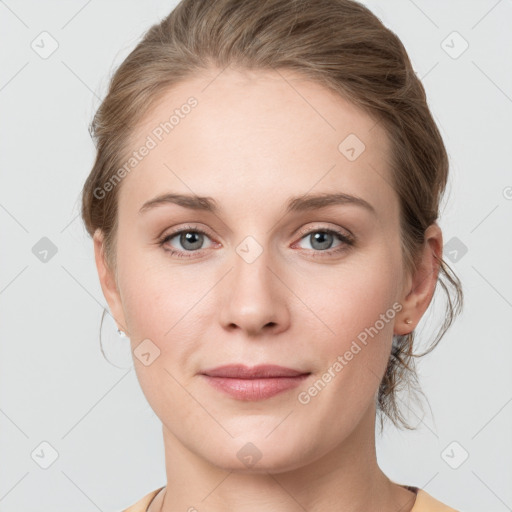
[{"x": 253, "y": 383}]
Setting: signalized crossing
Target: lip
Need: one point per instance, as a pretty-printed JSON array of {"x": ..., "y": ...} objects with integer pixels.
[
  {"x": 253, "y": 383},
  {"x": 262, "y": 371}
]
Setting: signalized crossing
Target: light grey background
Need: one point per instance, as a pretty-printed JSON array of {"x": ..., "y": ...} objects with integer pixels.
[{"x": 55, "y": 385}]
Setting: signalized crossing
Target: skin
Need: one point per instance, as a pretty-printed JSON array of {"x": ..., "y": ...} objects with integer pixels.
[{"x": 255, "y": 140}]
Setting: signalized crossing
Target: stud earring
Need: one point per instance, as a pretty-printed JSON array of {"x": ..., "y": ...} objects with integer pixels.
[
  {"x": 408, "y": 321},
  {"x": 121, "y": 333}
]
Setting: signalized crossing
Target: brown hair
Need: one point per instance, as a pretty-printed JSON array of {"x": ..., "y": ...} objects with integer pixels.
[{"x": 338, "y": 43}]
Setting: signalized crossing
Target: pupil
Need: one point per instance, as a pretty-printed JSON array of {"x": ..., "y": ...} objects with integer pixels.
[
  {"x": 188, "y": 238},
  {"x": 318, "y": 237}
]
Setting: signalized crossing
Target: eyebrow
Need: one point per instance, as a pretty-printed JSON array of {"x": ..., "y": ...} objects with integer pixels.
[{"x": 294, "y": 204}]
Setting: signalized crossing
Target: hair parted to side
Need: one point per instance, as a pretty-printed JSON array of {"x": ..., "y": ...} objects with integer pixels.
[{"x": 338, "y": 43}]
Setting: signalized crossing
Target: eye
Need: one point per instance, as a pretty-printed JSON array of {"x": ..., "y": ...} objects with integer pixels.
[
  {"x": 191, "y": 239},
  {"x": 321, "y": 240}
]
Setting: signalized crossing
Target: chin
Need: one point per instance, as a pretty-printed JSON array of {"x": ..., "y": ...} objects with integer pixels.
[{"x": 258, "y": 454}]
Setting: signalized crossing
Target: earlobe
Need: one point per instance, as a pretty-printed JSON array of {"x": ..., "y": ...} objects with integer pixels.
[
  {"x": 421, "y": 285},
  {"x": 108, "y": 282}
]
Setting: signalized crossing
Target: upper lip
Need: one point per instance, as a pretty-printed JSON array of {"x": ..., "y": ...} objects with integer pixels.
[{"x": 241, "y": 371}]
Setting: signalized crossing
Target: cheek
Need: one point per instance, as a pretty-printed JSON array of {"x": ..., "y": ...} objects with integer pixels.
[
  {"x": 358, "y": 310},
  {"x": 165, "y": 303},
  {"x": 162, "y": 308},
  {"x": 352, "y": 297}
]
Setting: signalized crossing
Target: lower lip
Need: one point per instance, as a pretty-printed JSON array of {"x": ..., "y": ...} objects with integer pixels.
[{"x": 254, "y": 389}]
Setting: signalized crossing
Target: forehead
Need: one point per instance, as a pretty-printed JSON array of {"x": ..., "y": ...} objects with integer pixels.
[{"x": 255, "y": 136}]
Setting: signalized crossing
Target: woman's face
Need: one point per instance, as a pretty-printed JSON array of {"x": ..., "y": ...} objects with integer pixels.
[{"x": 269, "y": 281}]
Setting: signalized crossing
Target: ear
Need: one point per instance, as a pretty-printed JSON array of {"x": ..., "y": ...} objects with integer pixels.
[
  {"x": 108, "y": 282},
  {"x": 419, "y": 288}
]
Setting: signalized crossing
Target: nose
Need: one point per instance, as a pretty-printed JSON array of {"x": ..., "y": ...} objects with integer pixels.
[{"x": 254, "y": 298}]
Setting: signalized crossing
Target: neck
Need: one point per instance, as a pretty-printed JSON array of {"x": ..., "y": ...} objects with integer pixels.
[{"x": 346, "y": 478}]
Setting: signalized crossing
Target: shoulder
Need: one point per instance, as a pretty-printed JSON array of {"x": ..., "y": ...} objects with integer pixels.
[
  {"x": 143, "y": 503},
  {"x": 424, "y": 503},
  {"x": 427, "y": 503}
]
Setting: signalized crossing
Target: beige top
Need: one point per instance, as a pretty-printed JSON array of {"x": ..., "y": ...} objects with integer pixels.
[{"x": 424, "y": 502}]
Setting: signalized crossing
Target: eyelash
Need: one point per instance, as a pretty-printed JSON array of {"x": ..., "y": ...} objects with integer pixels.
[{"x": 347, "y": 240}]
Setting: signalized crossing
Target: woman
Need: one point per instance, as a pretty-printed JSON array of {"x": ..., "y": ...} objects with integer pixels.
[{"x": 263, "y": 207}]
